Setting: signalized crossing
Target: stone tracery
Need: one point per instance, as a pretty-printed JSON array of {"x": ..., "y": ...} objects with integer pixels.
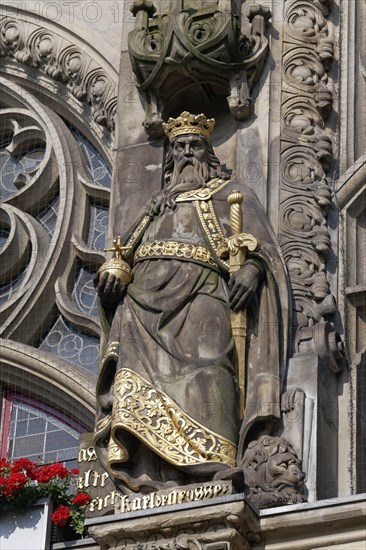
[{"x": 41, "y": 173}]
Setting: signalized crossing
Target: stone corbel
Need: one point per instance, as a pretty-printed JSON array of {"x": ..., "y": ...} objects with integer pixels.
[
  {"x": 326, "y": 342},
  {"x": 223, "y": 525}
]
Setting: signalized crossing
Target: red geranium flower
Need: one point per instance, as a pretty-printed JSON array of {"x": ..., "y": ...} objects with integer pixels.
[
  {"x": 58, "y": 470},
  {"x": 15, "y": 482},
  {"x": 61, "y": 515},
  {"x": 4, "y": 464},
  {"x": 43, "y": 474},
  {"x": 81, "y": 499},
  {"x": 75, "y": 471},
  {"x": 24, "y": 464},
  {"x": 46, "y": 472}
]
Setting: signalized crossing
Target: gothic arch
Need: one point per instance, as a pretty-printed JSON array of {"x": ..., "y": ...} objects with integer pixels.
[
  {"x": 53, "y": 221},
  {"x": 60, "y": 68},
  {"x": 48, "y": 380}
]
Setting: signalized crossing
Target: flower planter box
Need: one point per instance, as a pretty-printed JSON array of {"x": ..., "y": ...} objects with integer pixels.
[
  {"x": 29, "y": 530},
  {"x": 62, "y": 534},
  {"x": 23, "y": 482}
]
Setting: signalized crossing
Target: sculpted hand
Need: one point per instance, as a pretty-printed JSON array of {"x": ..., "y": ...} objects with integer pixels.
[
  {"x": 110, "y": 288},
  {"x": 242, "y": 284},
  {"x": 153, "y": 209}
]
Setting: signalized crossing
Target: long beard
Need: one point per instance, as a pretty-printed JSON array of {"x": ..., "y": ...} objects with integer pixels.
[{"x": 189, "y": 174}]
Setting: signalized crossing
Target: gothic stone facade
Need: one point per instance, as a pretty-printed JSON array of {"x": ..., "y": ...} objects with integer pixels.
[{"x": 80, "y": 142}]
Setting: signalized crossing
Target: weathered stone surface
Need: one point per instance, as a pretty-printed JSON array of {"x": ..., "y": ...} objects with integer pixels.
[
  {"x": 94, "y": 479},
  {"x": 312, "y": 423},
  {"x": 196, "y": 50},
  {"x": 315, "y": 525},
  {"x": 184, "y": 528},
  {"x": 232, "y": 525},
  {"x": 175, "y": 325},
  {"x": 138, "y": 175}
]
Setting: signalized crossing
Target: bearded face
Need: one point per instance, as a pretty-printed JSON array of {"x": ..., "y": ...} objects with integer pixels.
[{"x": 190, "y": 162}]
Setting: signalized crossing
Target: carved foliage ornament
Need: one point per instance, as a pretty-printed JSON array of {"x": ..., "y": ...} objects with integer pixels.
[
  {"x": 202, "y": 44},
  {"x": 37, "y": 47},
  {"x": 180, "y": 543},
  {"x": 306, "y": 151}
]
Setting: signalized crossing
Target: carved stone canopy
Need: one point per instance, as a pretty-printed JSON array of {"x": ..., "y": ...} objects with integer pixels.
[{"x": 196, "y": 51}]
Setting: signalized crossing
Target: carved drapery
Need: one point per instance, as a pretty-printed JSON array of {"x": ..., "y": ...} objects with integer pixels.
[
  {"x": 53, "y": 220},
  {"x": 36, "y": 48},
  {"x": 306, "y": 151}
]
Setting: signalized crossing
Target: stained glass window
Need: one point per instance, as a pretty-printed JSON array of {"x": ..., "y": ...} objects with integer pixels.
[
  {"x": 72, "y": 346},
  {"x": 16, "y": 169}
]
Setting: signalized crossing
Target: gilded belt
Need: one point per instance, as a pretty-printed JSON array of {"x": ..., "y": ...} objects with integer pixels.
[{"x": 173, "y": 249}]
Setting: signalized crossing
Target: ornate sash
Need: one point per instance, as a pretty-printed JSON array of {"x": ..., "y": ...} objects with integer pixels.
[{"x": 207, "y": 215}]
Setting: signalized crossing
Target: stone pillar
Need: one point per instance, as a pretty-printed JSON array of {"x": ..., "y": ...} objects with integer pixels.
[{"x": 311, "y": 420}]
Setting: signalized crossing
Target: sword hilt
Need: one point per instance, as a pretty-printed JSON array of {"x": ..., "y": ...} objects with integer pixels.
[{"x": 236, "y": 216}]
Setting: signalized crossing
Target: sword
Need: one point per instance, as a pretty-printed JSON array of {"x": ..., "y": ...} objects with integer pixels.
[{"x": 236, "y": 247}]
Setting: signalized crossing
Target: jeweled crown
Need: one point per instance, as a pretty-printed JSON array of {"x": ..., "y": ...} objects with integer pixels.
[{"x": 187, "y": 123}]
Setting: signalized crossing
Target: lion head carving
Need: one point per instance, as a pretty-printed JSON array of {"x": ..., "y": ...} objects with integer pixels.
[{"x": 273, "y": 473}]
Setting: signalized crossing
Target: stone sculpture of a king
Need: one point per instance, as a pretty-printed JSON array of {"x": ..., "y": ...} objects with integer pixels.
[{"x": 170, "y": 409}]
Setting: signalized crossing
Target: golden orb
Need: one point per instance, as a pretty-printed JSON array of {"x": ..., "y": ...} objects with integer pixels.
[
  {"x": 119, "y": 268},
  {"x": 117, "y": 265}
]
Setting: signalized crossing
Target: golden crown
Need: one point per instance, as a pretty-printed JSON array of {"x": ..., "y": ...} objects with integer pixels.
[{"x": 188, "y": 124}]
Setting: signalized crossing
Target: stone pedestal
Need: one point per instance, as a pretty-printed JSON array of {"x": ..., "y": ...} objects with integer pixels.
[
  {"x": 224, "y": 523},
  {"x": 230, "y": 523}
]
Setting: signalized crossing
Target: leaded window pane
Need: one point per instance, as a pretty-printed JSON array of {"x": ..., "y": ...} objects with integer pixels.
[{"x": 38, "y": 435}]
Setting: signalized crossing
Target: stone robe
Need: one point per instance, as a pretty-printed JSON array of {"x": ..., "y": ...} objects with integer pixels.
[{"x": 168, "y": 388}]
